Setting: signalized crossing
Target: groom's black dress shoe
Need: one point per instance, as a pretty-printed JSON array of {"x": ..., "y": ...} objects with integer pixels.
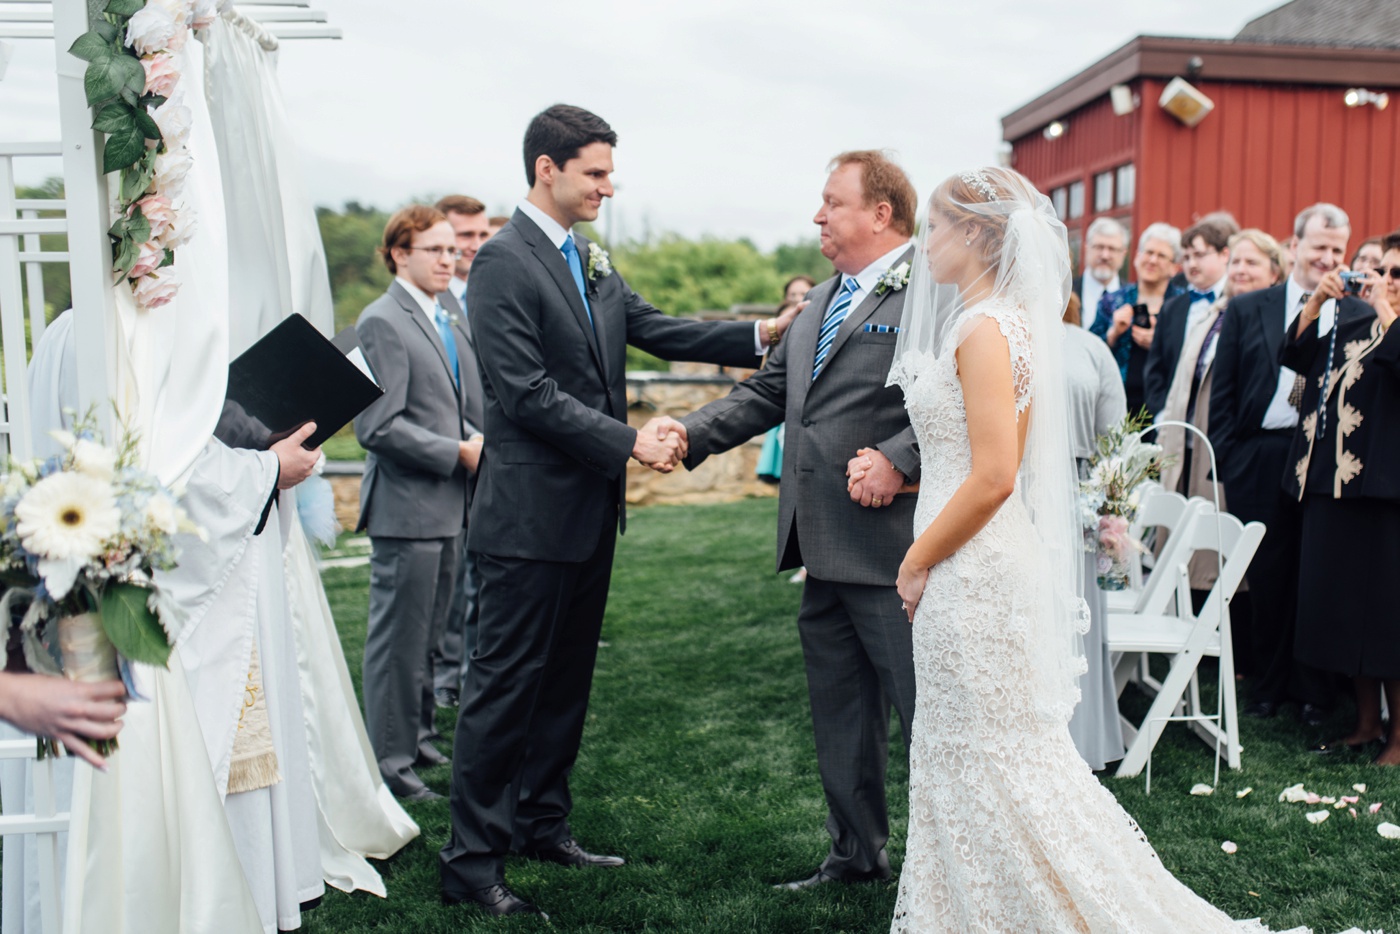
[
  {"x": 569, "y": 853},
  {"x": 428, "y": 757},
  {"x": 823, "y": 877},
  {"x": 495, "y": 900}
]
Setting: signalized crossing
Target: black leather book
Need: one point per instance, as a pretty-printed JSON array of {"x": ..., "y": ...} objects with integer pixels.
[{"x": 291, "y": 376}]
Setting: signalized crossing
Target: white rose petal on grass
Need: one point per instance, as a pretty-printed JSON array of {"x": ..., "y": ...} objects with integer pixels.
[
  {"x": 1242, "y": 792},
  {"x": 1202, "y": 790},
  {"x": 1339, "y": 805},
  {"x": 1352, "y": 812},
  {"x": 1317, "y": 817},
  {"x": 1375, "y": 807},
  {"x": 1389, "y": 831},
  {"x": 1229, "y": 846},
  {"x": 1359, "y": 787},
  {"x": 1328, "y": 800}
]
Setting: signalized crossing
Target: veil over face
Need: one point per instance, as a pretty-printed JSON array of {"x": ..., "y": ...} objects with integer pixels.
[{"x": 989, "y": 240}]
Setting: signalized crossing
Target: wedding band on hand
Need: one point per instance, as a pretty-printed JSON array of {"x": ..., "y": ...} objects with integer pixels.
[{"x": 877, "y": 501}]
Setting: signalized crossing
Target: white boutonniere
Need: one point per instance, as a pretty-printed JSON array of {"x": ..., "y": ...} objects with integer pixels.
[
  {"x": 599, "y": 266},
  {"x": 893, "y": 280}
]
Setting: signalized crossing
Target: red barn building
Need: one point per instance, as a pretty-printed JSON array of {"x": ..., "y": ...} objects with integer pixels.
[{"x": 1299, "y": 116}]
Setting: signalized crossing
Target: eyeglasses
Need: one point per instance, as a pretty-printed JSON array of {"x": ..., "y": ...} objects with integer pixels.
[
  {"x": 439, "y": 251},
  {"x": 1393, "y": 272}
]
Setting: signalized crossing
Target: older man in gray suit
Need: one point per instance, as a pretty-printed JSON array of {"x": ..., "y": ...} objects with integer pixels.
[
  {"x": 848, "y": 452},
  {"x": 414, "y": 496}
]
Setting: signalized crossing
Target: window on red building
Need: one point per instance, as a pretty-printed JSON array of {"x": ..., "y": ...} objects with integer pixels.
[
  {"x": 1103, "y": 191},
  {"x": 1127, "y": 184},
  {"x": 1076, "y": 200},
  {"x": 1059, "y": 202}
]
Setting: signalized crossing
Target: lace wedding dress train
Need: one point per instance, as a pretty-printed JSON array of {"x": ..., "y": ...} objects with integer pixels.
[{"x": 1009, "y": 830}]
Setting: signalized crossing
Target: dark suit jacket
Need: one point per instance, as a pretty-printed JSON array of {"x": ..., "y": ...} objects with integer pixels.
[
  {"x": 1167, "y": 344},
  {"x": 1243, "y": 382},
  {"x": 414, "y": 486},
  {"x": 1366, "y": 378},
  {"x": 848, "y": 407},
  {"x": 557, "y": 438}
]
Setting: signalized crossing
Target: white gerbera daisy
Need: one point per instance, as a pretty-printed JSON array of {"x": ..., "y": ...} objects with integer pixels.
[
  {"x": 162, "y": 515},
  {"x": 66, "y": 516},
  {"x": 93, "y": 459}
]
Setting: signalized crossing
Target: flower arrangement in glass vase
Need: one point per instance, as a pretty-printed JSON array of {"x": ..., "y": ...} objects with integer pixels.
[
  {"x": 1111, "y": 493},
  {"x": 81, "y": 534}
]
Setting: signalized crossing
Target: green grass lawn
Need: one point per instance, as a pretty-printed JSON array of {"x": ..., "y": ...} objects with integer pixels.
[{"x": 698, "y": 766}]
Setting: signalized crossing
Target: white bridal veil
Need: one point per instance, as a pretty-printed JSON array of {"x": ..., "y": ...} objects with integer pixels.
[{"x": 1015, "y": 255}]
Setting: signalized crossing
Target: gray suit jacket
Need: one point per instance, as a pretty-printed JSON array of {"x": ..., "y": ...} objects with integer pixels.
[
  {"x": 413, "y": 486},
  {"x": 557, "y": 438},
  {"x": 847, "y": 408},
  {"x": 473, "y": 402}
]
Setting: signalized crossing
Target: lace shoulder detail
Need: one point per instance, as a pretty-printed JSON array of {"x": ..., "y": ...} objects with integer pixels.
[{"x": 1011, "y": 320}]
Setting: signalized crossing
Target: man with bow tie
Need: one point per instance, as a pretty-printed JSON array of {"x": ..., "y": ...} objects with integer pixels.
[
  {"x": 422, "y": 451},
  {"x": 1205, "y": 256}
]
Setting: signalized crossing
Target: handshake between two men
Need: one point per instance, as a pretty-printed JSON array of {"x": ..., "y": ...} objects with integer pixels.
[{"x": 872, "y": 480}]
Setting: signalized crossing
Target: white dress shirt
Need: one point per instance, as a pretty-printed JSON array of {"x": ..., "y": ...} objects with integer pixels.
[
  {"x": 1279, "y": 413},
  {"x": 425, "y": 301},
  {"x": 558, "y": 234},
  {"x": 868, "y": 278},
  {"x": 1198, "y": 311},
  {"x": 458, "y": 288},
  {"x": 1094, "y": 292}
]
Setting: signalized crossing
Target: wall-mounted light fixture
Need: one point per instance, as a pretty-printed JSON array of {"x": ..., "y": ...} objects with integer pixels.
[
  {"x": 1123, "y": 99},
  {"x": 1360, "y": 97},
  {"x": 1185, "y": 102},
  {"x": 1055, "y": 130}
]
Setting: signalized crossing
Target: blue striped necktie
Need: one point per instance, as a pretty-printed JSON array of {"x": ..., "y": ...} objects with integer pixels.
[
  {"x": 449, "y": 344},
  {"x": 570, "y": 251},
  {"x": 832, "y": 322}
]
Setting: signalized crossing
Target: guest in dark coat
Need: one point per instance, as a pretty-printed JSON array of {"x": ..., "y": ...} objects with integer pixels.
[{"x": 1345, "y": 464}]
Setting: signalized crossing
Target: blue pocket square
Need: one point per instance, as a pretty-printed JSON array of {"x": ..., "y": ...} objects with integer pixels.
[{"x": 881, "y": 329}]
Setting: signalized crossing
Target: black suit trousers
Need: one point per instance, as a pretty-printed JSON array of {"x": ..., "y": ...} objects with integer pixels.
[
  {"x": 523, "y": 707},
  {"x": 1273, "y": 575}
]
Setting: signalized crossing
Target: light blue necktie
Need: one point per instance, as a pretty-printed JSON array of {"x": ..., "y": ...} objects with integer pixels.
[
  {"x": 570, "y": 251},
  {"x": 449, "y": 343},
  {"x": 832, "y": 322}
]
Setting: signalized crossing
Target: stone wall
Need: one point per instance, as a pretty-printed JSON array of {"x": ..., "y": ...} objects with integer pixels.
[{"x": 686, "y": 388}]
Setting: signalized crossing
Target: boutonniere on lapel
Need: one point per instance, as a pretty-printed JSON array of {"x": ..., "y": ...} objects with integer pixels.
[
  {"x": 894, "y": 280},
  {"x": 599, "y": 265}
]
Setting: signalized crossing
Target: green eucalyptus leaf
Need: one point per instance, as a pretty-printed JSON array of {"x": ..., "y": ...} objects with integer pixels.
[
  {"x": 91, "y": 47},
  {"x": 138, "y": 228},
  {"x": 118, "y": 229},
  {"x": 131, "y": 625},
  {"x": 112, "y": 116},
  {"x": 131, "y": 97},
  {"x": 135, "y": 181},
  {"x": 125, "y": 254},
  {"x": 167, "y": 260},
  {"x": 105, "y": 79},
  {"x": 146, "y": 124},
  {"x": 124, "y": 7},
  {"x": 123, "y": 148},
  {"x": 152, "y": 101},
  {"x": 107, "y": 29}
]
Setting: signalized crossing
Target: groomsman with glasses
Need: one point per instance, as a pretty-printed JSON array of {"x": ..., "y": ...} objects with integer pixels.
[{"x": 422, "y": 452}]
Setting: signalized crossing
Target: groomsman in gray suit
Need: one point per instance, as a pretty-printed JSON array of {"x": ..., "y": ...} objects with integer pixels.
[
  {"x": 552, "y": 321},
  {"x": 468, "y": 218},
  {"x": 414, "y": 495},
  {"x": 849, "y": 450}
]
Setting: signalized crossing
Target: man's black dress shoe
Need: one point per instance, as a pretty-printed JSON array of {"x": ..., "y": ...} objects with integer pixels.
[
  {"x": 569, "y": 853},
  {"x": 823, "y": 877},
  {"x": 1261, "y": 709},
  {"x": 429, "y": 756},
  {"x": 1335, "y": 746},
  {"x": 1313, "y": 714},
  {"x": 446, "y": 698},
  {"x": 422, "y": 794},
  {"x": 495, "y": 900}
]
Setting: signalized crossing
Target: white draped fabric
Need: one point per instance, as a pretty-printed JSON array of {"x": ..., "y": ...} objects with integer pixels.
[
  {"x": 277, "y": 263},
  {"x": 277, "y": 267}
]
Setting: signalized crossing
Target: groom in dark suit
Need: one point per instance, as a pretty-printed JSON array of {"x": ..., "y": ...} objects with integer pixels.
[
  {"x": 826, "y": 381},
  {"x": 551, "y": 321}
]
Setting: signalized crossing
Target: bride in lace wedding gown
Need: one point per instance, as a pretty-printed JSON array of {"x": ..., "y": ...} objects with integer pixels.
[{"x": 1009, "y": 831}]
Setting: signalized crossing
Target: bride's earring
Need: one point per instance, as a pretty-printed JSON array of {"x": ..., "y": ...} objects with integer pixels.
[{"x": 967, "y": 242}]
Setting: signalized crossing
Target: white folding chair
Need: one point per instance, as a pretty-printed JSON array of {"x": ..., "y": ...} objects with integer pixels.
[
  {"x": 1187, "y": 637},
  {"x": 1160, "y": 509},
  {"x": 46, "y": 823}
]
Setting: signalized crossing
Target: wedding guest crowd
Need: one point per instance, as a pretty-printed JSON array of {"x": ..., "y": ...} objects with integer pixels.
[{"x": 1294, "y": 383}]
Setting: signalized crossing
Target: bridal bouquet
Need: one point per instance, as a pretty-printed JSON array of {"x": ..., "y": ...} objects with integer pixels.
[
  {"x": 1109, "y": 497},
  {"x": 80, "y": 535}
]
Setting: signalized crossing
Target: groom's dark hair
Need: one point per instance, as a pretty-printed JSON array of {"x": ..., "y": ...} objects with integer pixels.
[{"x": 560, "y": 132}]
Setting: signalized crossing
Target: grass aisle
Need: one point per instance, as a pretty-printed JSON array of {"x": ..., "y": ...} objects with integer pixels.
[{"x": 698, "y": 766}]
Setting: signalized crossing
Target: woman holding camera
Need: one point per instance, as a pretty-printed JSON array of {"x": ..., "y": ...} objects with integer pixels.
[
  {"x": 1126, "y": 319},
  {"x": 1346, "y": 453}
]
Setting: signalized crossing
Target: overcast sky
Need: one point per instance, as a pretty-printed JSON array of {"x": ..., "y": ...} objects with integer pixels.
[{"x": 727, "y": 110}]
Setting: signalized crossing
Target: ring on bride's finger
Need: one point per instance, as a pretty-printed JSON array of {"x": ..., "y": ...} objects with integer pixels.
[{"x": 877, "y": 501}]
